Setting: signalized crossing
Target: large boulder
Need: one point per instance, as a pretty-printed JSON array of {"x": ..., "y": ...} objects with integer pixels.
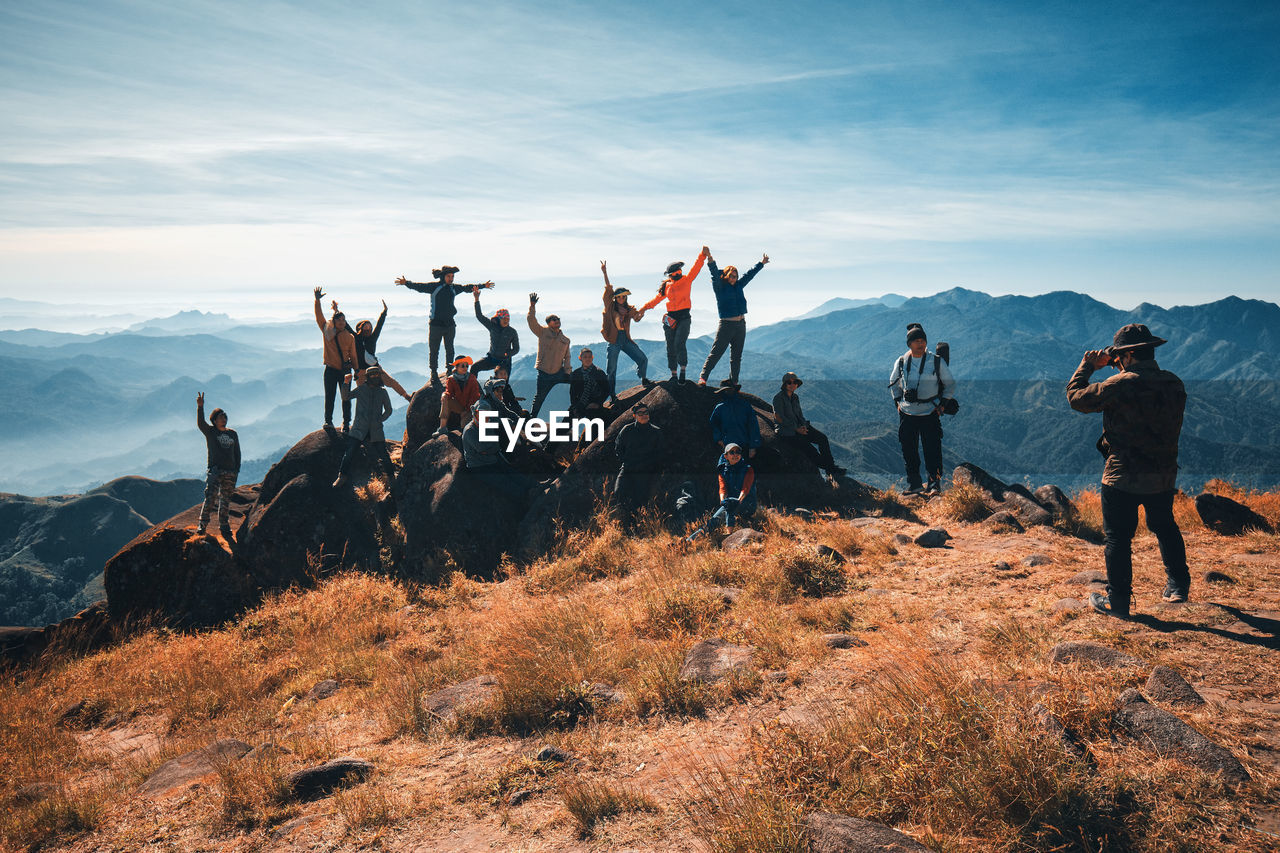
[
  {"x": 301, "y": 522},
  {"x": 422, "y": 418},
  {"x": 1227, "y": 517},
  {"x": 168, "y": 575},
  {"x": 999, "y": 496},
  {"x": 85, "y": 631},
  {"x": 1167, "y": 735}
]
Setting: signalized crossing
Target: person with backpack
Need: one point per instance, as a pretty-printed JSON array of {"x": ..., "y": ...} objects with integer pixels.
[
  {"x": 795, "y": 429},
  {"x": 373, "y": 407},
  {"x": 675, "y": 289},
  {"x": 1142, "y": 410},
  {"x": 737, "y": 491},
  {"x": 503, "y": 340},
  {"x": 731, "y": 304},
  {"x": 922, "y": 387},
  {"x": 339, "y": 360},
  {"x": 366, "y": 352},
  {"x": 441, "y": 325},
  {"x": 552, "y": 364},
  {"x": 616, "y": 330},
  {"x": 223, "y": 467}
]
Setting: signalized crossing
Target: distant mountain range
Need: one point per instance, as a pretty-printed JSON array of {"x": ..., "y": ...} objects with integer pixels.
[{"x": 84, "y": 409}]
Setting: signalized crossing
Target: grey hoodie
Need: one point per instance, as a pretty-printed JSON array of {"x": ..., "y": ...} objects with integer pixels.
[{"x": 373, "y": 406}]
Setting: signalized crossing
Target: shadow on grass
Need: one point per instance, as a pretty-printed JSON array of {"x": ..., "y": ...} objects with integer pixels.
[{"x": 1268, "y": 626}]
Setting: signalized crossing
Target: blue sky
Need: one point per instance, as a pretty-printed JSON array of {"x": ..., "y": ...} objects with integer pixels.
[{"x": 230, "y": 155}]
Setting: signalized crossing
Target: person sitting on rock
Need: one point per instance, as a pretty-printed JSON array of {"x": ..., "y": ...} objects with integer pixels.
[
  {"x": 503, "y": 340},
  {"x": 460, "y": 393},
  {"x": 734, "y": 421},
  {"x": 588, "y": 387},
  {"x": 638, "y": 447},
  {"x": 339, "y": 360},
  {"x": 616, "y": 329},
  {"x": 223, "y": 457},
  {"x": 366, "y": 346},
  {"x": 675, "y": 289},
  {"x": 552, "y": 363},
  {"x": 1142, "y": 410},
  {"x": 737, "y": 491},
  {"x": 732, "y": 307},
  {"x": 920, "y": 404},
  {"x": 796, "y": 430},
  {"x": 485, "y": 457},
  {"x": 441, "y": 325},
  {"x": 507, "y": 394},
  {"x": 373, "y": 406}
]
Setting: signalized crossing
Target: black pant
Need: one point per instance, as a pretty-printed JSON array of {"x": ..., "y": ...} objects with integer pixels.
[
  {"x": 332, "y": 378},
  {"x": 379, "y": 458},
  {"x": 730, "y": 334},
  {"x": 927, "y": 430},
  {"x": 546, "y": 381},
  {"x": 1120, "y": 522},
  {"x": 815, "y": 446},
  {"x": 677, "y": 337},
  {"x": 492, "y": 362},
  {"x": 631, "y": 489},
  {"x": 437, "y": 332}
]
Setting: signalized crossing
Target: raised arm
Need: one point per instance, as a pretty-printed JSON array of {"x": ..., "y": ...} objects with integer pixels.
[
  {"x": 484, "y": 321},
  {"x": 205, "y": 426},
  {"x": 608, "y": 288},
  {"x": 382, "y": 318},
  {"x": 533, "y": 316},
  {"x": 697, "y": 265},
  {"x": 751, "y": 273},
  {"x": 319, "y": 311},
  {"x": 1091, "y": 397}
]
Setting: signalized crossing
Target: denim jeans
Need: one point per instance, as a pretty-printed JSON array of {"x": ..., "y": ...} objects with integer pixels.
[
  {"x": 731, "y": 335},
  {"x": 633, "y": 351}
]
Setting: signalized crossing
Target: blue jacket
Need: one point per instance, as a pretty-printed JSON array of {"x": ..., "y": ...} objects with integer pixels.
[
  {"x": 733, "y": 420},
  {"x": 442, "y": 308},
  {"x": 729, "y": 299}
]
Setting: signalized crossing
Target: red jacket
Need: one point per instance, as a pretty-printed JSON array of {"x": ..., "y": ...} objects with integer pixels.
[{"x": 465, "y": 395}]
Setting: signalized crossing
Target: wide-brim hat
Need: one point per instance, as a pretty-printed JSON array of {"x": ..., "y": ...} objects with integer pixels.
[
  {"x": 1135, "y": 335},
  {"x": 444, "y": 271},
  {"x": 729, "y": 383},
  {"x": 621, "y": 291},
  {"x": 790, "y": 375},
  {"x": 674, "y": 266},
  {"x": 463, "y": 360}
]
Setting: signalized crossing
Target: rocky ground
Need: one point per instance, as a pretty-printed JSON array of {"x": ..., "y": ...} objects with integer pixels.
[{"x": 628, "y": 693}]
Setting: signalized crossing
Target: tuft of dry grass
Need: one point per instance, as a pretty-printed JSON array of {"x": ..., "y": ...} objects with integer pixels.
[
  {"x": 964, "y": 502},
  {"x": 252, "y": 792},
  {"x": 591, "y": 801},
  {"x": 60, "y": 816},
  {"x": 375, "y": 804},
  {"x": 601, "y": 550}
]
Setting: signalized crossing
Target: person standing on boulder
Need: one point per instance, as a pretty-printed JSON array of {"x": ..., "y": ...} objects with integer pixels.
[
  {"x": 732, "y": 307},
  {"x": 733, "y": 421},
  {"x": 1142, "y": 408},
  {"x": 795, "y": 429},
  {"x": 223, "y": 457},
  {"x": 552, "y": 363},
  {"x": 460, "y": 393},
  {"x": 675, "y": 289},
  {"x": 616, "y": 329},
  {"x": 588, "y": 387},
  {"x": 441, "y": 325},
  {"x": 638, "y": 446},
  {"x": 920, "y": 401},
  {"x": 503, "y": 340},
  {"x": 339, "y": 361},
  {"x": 737, "y": 491},
  {"x": 366, "y": 346},
  {"x": 373, "y": 406}
]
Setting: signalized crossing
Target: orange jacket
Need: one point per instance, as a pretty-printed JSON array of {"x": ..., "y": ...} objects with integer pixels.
[
  {"x": 676, "y": 291},
  {"x": 339, "y": 347}
]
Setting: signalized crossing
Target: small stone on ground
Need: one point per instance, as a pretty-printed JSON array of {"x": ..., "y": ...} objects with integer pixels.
[{"x": 833, "y": 833}]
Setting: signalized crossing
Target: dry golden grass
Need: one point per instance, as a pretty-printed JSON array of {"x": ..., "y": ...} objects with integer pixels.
[
  {"x": 964, "y": 502},
  {"x": 1265, "y": 504},
  {"x": 591, "y": 801}
]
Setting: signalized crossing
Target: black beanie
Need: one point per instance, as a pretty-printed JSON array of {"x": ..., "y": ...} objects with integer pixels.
[{"x": 915, "y": 330}]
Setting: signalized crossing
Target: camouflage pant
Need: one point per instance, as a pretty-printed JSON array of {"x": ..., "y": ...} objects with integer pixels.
[{"x": 218, "y": 487}]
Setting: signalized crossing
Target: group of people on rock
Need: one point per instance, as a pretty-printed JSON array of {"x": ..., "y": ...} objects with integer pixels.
[{"x": 1142, "y": 407}]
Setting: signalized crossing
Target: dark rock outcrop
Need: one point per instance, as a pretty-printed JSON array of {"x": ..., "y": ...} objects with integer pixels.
[
  {"x": 1165, "y": 684},
  {"x": 833, "y": 833},
  {"x": 1056, "y": 502},
  {"x": 842, "y": 641},
  {"x": 447, "y": 703},
  {"x": 89, "y": 629},
  {"x": 169, "y": 576},
  {"x": 1093, "y": 654},
  {"x": 1227, "y": 517},
  {"x": 1002, "y": 496},
  {"x": 311, "y": 783},
  {"x": 1167, "y": 735},
  {"x": 934, "y": 537},
  {"x": 185, "y": 769},
  {"x": 741, "y": 538},
  {"x": 422, "y": 418}
]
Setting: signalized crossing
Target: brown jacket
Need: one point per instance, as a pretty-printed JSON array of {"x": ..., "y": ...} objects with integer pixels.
[
  {"x": 553, "y": 347},
  {"x": 614, "y": 319},
  {"x": 1142, "y": 410},
  {"x": 339, "y": 347}
]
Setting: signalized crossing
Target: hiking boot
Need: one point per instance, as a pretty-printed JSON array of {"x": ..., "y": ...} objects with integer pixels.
[
  {"x": 914, "y": 489},
  {"x": 346, "y": 429},
  {"x": 1173, "y": 595},
  {"x": 702, "y": 380},
  {"x": 440, "y": 430},
  {"x": 934, "y": 488},
  {"x": 647, "y": 382},
  {"x": 340, "y": 482},
  {"x": 1104, "y": 605},
  {"x": 226, "y": 533}
]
